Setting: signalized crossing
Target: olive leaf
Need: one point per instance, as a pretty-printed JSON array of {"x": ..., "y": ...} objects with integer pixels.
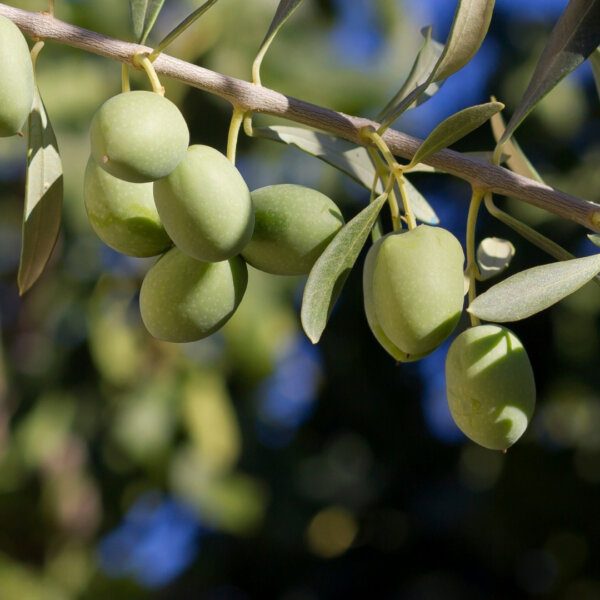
[
  {"x": 594, "y": 238},
  {"x": 143, "y": 16},
  {"x": 43, "y": 196},
  {"x": 352, "y": 160},
  {"x": 329, "y": 273},
  {"x": 534, "y": 290},
  {"x": 284, "y": 11},
  {"x": 575, "y": 36},
  {"x": 435, "y": 62},
  {"x": 494, "y": 256},
  {"x": 454, "y": 128},
  {"x": 515, "y": 159},
  {"x": 595, "y": 62},
  {"x": 417, "y": 87}
]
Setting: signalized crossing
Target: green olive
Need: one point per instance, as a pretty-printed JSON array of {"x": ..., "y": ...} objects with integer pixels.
[
  {"x": 183, "y": 299},
  {"x": 205, "y": 205},
  {"x": 138, "y": 136},
  {"x": 123, "y": 214},
  {"x": 414, "y": 288},
  {"x": 293, "y": 226},
  {"x": 490, "y": 385},
  {"x": 16, "y": 79}
]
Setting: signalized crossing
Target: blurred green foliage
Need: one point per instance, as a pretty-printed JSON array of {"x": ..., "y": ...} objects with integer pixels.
[{"x": 362, "y": 492}]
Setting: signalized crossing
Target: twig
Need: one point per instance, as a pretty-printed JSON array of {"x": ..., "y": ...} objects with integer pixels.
[{"x": 258, "y": 99}]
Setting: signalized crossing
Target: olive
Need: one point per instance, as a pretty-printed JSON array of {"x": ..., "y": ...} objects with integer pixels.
[
  {"x": 490, "y": 385},
  {"x": 293, "y": 226},
  {"x": 138, "y": 136}
]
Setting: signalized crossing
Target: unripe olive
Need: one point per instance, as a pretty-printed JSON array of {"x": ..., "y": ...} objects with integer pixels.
[
  {"x": 414, "y": 287},
  {"x": 123, "y": 213},
  {"x": 183, "y": 299},
  {"x": 293, "y": 226},
  {"x": 138, "y": 136},
  {"x": 371, "y": 314},
  {"x": 205, "y": 205},
  {"x": 16, "y": 79},
  {"x": 490, "y": 385}
]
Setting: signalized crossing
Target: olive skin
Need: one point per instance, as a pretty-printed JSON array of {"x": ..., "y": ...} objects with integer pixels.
[
  {"x": 16, "y": 79},
  {"x": 205, "y": 205},
  {"x": 413, "y": 287},
  {"x": 138, "y": 136},
  {"x": 293, "y": 226},
  {"x": 371, "y": 315},
  {"x": 123, "y": 214},
  {"x": 184, "y": 300},
  {"x": 490, "y": 385}
]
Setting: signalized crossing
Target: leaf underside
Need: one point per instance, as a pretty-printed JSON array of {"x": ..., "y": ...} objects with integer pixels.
[
  {"x": 575, "y": 36},
  {"x": 43, "y": 197},
  {"x": 329, "y": 273},
  {"x": 143, "y": 16},
  {"x": 494, "y": 256},
  {"x": 534, "y": 290}
]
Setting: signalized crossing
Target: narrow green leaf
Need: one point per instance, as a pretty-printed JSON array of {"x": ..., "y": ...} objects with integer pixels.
[
  {"x": 43, "y": 196},
  {"x": 454, "y": 128},
  {"x": 329, "y": 273},
  {"x": 594, "y": 238},
  {"x": 469, "y": 28},
  {"x": 284, "y": 11},
  {"x": 143, "y": 16},
  {"x": 595, "y": 61},
  {"x": 494, "y": 256},
  {"x": 534, "y": 290},
  {"x": 435, "y": 62},
  {"x": 418, "y": 87},
  {"x": 352, "y": 160},
  {"x": 515, "y": 159},
  {"x": 573, "y": 39}
]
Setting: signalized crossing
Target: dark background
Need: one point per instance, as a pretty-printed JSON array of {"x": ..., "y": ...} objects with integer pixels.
[{"x": 253, "y": 464}]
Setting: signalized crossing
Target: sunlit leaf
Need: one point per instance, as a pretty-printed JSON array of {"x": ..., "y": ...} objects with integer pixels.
[
  {"x": 534, "y": 290},
  {"x": 143, "y": 16},
  {"x": 418, "y": 87},
  {"x": 332, "y": 268},
  {"x": 435, "y": 62},
  {"x": 573, "y": 39},
  {"x": 43, "y": 196},
  {"x": 595, "y": 62},
  {"x": 594, "y": 238},
  {"x": 494, "y": 256},
  {"x": 515, "y": 157},
  {"x": 469, "y": 28},
  {"x": 455, "y": 127}
]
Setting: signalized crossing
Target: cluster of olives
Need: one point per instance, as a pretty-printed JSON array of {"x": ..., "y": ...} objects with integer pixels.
[
  {"x": 16, "y": 79},
  {"x": 147, "y": 193},
  {"x": 413, "y": 287}
]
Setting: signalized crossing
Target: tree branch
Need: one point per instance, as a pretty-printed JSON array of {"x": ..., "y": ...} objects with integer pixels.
[{"x": 259, "y": 99}]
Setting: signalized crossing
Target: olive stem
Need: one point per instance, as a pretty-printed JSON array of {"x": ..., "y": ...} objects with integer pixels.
[
  {"x": 531, "y": 235},
  {"x": 51, "y": 7},
  {"x": 385, "y": 176},
  {"x": 376, "y": 231},
  {"x": 141, "y": 60},
  {"x": 472, "y": 269},
  {"x": 237, "y": 118},
  {"x": 125, "y": 87},
  {"x": 408, "y": 211},
  {"x": 258, "y": 62},
  {"x": 37, "y": 47}
]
